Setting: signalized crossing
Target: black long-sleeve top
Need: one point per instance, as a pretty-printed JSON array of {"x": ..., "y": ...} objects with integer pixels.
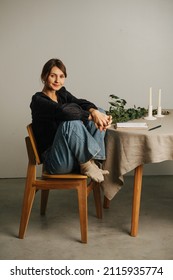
[{"x": 47, "y": 114}]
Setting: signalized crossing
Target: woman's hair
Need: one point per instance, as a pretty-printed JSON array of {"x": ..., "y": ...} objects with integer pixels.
[{"x": 49, "y": 65}]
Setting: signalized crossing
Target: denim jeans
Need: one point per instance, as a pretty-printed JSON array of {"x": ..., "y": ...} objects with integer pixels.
[{"x": 74, "y": 143}]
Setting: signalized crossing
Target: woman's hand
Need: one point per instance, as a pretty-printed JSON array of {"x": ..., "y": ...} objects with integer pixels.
[{"x": 101, "y": 120}]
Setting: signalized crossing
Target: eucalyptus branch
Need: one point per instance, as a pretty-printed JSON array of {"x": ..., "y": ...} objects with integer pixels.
[{"x": 120, "y": 114}]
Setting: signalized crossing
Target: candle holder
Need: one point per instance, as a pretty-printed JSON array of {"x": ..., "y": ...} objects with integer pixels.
[
  {"x": 150, "y": 116},
  {"x": 159, "y": 112}
]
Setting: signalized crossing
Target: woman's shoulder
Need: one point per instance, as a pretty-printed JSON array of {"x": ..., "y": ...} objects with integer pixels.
[
  {"x": 62, "y": 90},
  {"x": 39, "y": 95}
]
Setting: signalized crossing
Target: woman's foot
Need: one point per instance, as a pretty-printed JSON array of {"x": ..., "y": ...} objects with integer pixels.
[
  {"x": 98, "y": 164},
  {"x": 90, "y": 169}
]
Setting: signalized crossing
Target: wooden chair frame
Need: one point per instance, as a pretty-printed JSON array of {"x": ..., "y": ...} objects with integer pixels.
[{"x": 48, "y": 182}]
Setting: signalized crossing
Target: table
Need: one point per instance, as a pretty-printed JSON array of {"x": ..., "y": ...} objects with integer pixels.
[{"x": 129, "y": 149}]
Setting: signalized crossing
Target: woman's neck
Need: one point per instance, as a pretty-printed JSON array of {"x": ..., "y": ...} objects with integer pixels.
[{"x": 50, "y": 93}]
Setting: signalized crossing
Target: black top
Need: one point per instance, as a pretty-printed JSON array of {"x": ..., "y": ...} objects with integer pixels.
[{"x": 47, "y": 115}]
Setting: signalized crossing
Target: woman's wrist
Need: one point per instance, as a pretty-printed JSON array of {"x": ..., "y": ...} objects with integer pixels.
[{"x": 91, "y": 110}]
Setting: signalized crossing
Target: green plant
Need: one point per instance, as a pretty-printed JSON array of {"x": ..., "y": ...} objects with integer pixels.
[{"x": 120, "y": 114}]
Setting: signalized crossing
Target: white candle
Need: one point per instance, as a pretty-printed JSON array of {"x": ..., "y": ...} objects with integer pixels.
[
  {"x": 159, "y": 100},
  {"x": 150, "y": 97}
]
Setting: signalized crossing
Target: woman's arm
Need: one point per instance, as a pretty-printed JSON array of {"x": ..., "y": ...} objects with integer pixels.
[
  {"x": 66, "y": 97},
  {"x": 44, "y": 108}
]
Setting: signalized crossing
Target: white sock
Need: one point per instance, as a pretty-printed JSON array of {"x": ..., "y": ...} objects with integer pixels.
[
  {"x": 92, "y": 171},
  {"x": 104, "y": 172}
]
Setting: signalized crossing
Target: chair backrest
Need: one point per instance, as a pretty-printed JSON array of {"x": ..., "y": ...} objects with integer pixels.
[{"x": 33, "y": 143}]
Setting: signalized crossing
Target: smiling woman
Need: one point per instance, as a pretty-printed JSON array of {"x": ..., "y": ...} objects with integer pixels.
[{"x": 69, "y": 131}]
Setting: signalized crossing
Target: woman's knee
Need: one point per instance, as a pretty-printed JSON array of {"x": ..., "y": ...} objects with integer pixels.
[{"x": 72, "y": 126}]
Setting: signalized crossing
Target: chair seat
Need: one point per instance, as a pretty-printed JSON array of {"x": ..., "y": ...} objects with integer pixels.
[{"x": 46, "y": 175}]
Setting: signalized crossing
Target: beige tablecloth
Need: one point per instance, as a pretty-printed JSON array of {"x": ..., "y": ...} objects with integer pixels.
[{"x": 128, "y": 148}]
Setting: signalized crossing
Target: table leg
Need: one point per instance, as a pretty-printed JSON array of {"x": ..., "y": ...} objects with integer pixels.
[
  {"x": 136, "y": 199},
  {"x": 106, "y": 203}
]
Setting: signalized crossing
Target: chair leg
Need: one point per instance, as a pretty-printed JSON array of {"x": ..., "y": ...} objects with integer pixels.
[
  {"x": 27, "y": 206},
  {"x": 44, "y": 200},
  {"x": 136, "y": 200},
  {"x": 97, "y": 199},
  {"x": 83, "y": 210}
]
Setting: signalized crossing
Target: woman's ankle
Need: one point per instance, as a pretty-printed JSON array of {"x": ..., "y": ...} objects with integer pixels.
[{"x": 92, "y": 171}]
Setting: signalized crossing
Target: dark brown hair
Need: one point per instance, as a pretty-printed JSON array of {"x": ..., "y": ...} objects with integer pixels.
[{"x": 49, "y": 65}]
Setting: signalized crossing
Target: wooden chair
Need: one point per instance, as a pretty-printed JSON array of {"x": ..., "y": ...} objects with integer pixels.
[{"x": 48, "y": 182}]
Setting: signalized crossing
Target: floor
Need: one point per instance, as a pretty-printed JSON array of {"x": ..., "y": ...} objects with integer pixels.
[{"x": 56, "y": 236}]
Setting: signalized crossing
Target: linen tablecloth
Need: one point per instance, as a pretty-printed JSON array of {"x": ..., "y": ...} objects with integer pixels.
[{"x": 127, "y": 149}]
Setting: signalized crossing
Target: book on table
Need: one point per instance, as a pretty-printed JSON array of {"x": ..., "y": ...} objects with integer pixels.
[{"x": 134, "y": 125}]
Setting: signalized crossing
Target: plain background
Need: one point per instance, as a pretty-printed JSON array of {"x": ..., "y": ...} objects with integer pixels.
[{"x": 119, "y": 47}]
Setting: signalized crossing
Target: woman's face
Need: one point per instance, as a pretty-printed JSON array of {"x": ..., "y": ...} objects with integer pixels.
[{"x": 55, "y": 79}]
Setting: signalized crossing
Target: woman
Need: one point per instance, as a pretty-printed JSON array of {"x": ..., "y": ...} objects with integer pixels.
[{"x": 69, "y": 131}]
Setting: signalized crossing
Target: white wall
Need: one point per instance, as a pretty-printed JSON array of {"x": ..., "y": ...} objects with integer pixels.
[{"x": 114, "y": 46}]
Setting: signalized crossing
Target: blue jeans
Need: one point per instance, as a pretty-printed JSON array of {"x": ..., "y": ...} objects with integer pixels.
[{"x": 74, "y": 143}]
